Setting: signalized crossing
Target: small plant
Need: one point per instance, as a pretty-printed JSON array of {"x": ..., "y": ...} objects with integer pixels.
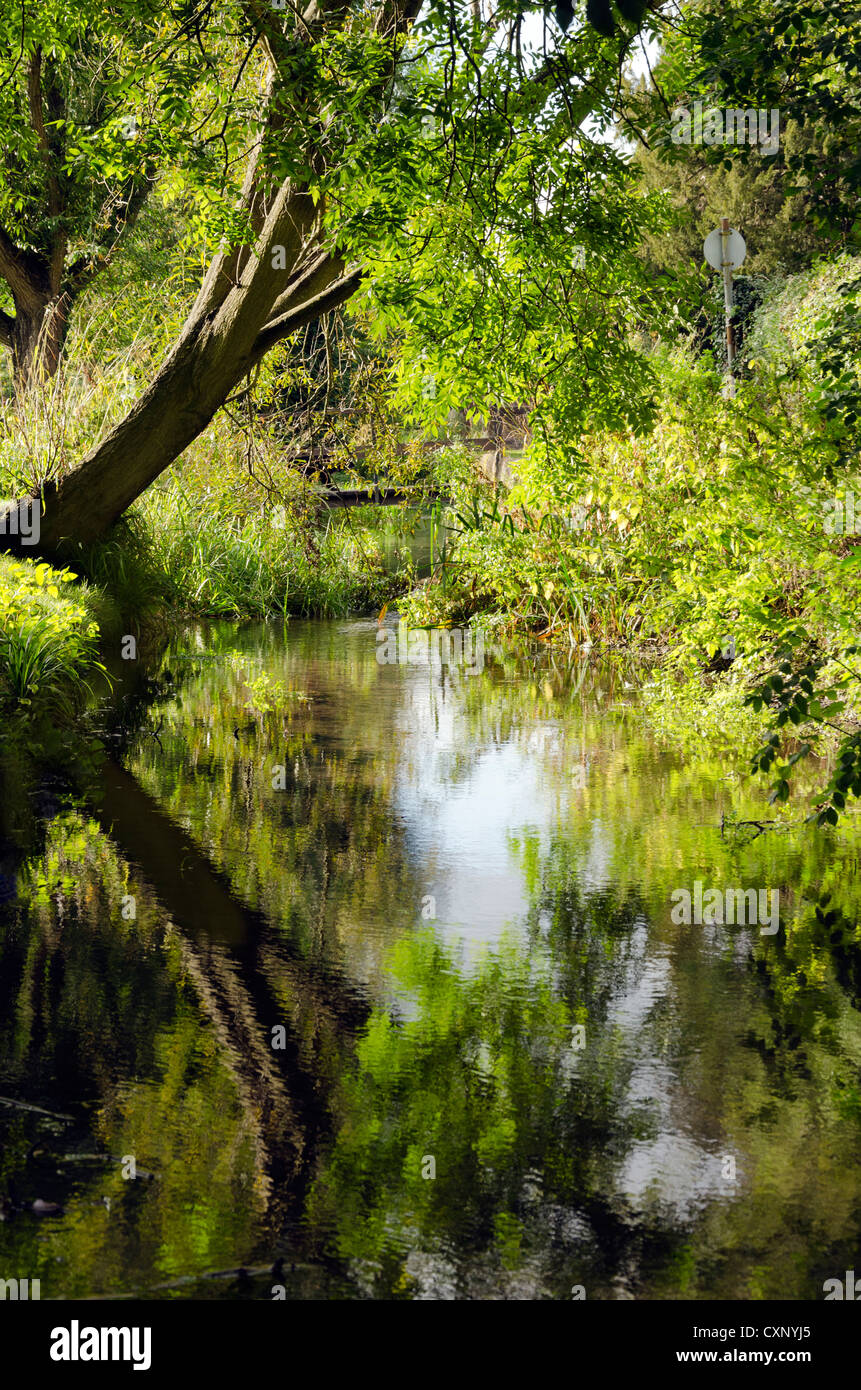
[
  {"x": 267, "y": 694},
  {"x": 48, "y": 635}
]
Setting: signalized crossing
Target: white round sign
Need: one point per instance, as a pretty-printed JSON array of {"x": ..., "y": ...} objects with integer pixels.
[{"x": 736, "y": 250}]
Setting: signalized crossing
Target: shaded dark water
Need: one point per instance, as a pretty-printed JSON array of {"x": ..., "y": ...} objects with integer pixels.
[{"x": 372, "y": 968}]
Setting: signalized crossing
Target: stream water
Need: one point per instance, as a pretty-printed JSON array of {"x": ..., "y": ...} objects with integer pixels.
[{"x": 384, "y": 982}]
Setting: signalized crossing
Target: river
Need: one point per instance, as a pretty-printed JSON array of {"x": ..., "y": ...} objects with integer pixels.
[{"x": 369, "y": 970}]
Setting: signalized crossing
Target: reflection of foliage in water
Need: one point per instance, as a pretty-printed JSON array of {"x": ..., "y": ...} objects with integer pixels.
[
  {"x": 553, "y": 1166},
  {"x": 656, "y": 819},
  {"x": 527, "y": 1130},
  {"x": 99, "y": 1020}
]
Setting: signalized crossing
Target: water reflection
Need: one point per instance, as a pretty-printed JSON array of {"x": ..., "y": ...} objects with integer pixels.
[{"x": 372, "y": 969}]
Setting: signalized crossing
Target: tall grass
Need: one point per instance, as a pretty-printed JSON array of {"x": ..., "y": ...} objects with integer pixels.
[
  {"x": 215, "y": 559},
  {"x": 210, "y": 537},
  {"x": 46, "y": 430}
]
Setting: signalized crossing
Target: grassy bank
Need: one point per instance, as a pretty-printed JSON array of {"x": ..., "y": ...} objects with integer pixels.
[{"x": 212, "y": 557}]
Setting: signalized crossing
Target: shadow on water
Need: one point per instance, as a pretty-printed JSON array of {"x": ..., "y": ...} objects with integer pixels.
[{"x": 371, "y": 969}]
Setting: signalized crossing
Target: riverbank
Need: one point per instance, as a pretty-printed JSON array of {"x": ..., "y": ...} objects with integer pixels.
[
  {"x": 724, "y": 536},
  {"x": 719, "y": 543},
  {"x": 173, "y": 561}
]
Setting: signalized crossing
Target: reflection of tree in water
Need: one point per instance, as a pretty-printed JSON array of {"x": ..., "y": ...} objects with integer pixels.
[
  {"x": 252, "y": 910},
  {"x": 342, "y": 854},
  {"x": 484, "y": 1075},
  {"x": 98, "y": 1024},
  {"x": 749, "y": 1046},
  {"x": 107, "y": 1024}
]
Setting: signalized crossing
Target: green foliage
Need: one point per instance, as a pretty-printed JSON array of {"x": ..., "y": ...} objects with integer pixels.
[
  {"x": 213, "y": 557},
  {"x": 112, "y": 348},
  {"x": 128, "y": 90},
  {"x": 48, "y": 636},
  {"x": 779, "y": 229},
  {"x": 499, "y": 230},
  {"x": 710, "y": 537},
  {"x": 793, "y": 203},
  {"x": 804, "y": 59}
]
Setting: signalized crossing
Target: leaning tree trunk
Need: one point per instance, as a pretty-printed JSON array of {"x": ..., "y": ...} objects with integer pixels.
[
  {"x": 233, "y": 324},
  {"x": 251, "y": 299}
]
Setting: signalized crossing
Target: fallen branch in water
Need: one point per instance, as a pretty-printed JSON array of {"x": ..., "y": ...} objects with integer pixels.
[
  {"x": 37, "y": 1109},
  {"x": 759, "y": 825}
]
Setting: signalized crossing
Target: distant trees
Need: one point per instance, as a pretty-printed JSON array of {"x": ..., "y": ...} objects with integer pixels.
[
  {"x": 802, "y": 60},
  {"x": 779, "y": 225}
]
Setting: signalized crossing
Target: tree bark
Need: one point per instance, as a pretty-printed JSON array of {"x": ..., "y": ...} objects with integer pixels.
[
  {"x": 38, "y": 336},
  {"x": 215, "y": 352},
  {"x": 40, "y": 322}
]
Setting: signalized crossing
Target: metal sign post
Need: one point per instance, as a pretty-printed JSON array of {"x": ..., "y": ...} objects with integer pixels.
[
  {"x": 725, "y": 249},
  {"x": 726, "y": 267}
]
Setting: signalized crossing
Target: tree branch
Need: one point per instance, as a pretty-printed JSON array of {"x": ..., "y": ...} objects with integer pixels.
[
  {"x": 257, "y": 199},
  {"x": 37, "y": 120},
  {"x": 305, "y": 313},
  {"x": 310, "y": 280}
]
